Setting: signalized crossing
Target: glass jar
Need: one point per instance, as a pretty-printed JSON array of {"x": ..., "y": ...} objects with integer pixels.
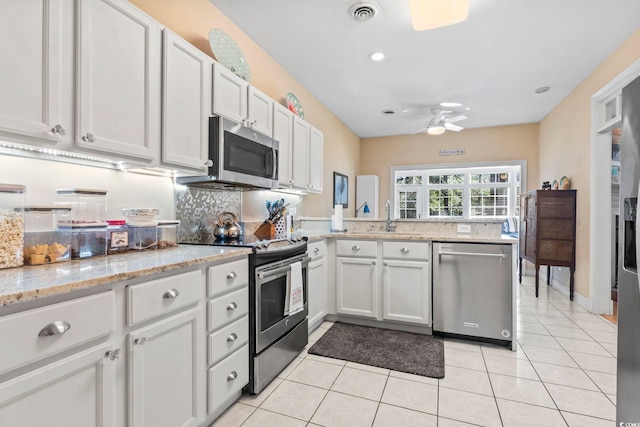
[
  {"x": 11, "y": 225},
  {"x": 168, "y": 231},
  {"x": 89, "y": 206},
  {"x": 117, "y": 237},
  {"x": 143, "y": 236},
  {"x": 47, "y": 237}
]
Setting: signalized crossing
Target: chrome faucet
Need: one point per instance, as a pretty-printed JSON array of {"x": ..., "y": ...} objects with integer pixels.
[{"x": 387, "y": 207}]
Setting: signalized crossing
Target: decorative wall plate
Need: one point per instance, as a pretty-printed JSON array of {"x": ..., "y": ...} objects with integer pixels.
[
  {"x": 228, "y": 53},
  {"x": 294, "y": 105}
]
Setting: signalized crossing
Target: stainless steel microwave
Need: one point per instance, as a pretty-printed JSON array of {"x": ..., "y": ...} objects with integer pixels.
[{"x": 238, "y": 156}]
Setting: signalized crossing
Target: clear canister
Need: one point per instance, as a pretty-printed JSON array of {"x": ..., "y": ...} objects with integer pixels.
[
  {"x": 168, "y": 232},
  {"x": 117, "y": 237},
  {"x": 47, "y": 236},
  {"x": 143, "y": 235},
  {"x": 11, "y": 225},
  {"x": 89, "y": 206}
]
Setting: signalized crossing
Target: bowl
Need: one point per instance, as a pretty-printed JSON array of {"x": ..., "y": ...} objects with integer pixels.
[{"x": 140, "y": 214}]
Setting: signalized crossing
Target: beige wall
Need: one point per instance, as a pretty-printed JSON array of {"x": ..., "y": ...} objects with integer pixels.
[
  {"x": 519, "y": 142},
  {"x": 193, "y": 19},
  {"x": 565, "y": 138}
]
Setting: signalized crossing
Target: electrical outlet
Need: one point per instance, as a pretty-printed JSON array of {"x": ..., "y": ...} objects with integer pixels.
[{"x": 464, "y": 228}]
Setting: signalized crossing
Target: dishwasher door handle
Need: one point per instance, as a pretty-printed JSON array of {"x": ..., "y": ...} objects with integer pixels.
[{"x": 481, "y": 254}]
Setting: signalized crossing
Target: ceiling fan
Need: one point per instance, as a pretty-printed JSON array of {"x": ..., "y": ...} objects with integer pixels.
[{"x": 443, "y": 118}]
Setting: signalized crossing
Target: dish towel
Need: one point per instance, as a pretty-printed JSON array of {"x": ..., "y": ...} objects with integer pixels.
[{"x": 296, "y": 297}]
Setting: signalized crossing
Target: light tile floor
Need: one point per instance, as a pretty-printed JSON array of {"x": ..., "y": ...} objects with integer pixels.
[{"x": 564, "y": 373}]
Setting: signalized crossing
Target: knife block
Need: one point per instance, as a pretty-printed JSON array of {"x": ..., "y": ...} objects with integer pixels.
[{"x": 266, "y": 231}]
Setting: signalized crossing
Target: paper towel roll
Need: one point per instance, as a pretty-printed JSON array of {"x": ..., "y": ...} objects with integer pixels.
[{"x": 338, "y": 215}]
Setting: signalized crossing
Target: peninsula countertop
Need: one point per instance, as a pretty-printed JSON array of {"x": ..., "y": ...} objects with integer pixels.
[
  {"x": 29, "y": 283},
  {"x": 401, "y": 235}
]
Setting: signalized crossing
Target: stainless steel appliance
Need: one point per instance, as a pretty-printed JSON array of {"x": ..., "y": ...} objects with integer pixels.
[
  {"x": 628, "y": 387},
  {"x": 239, "y": 157},
  {"x": 473, "y": 291}
]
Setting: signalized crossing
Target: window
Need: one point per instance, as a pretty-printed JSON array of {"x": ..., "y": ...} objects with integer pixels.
[{"x": 457, "y": 192}]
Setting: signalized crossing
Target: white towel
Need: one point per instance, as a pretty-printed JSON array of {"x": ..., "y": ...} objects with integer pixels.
[{"x": 295, "y": 290}]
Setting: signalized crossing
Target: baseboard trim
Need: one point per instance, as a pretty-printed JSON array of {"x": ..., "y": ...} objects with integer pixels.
[{"x": 577, "y": 298}]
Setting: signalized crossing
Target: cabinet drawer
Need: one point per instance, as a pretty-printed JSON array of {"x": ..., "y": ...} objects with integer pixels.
[
  {"x": 228, "y": 377},
  {"x": 41, "y": 332},
  {"x": 227, "y": 308},
  {"x": 228, "y": 276},
  {"x": 359, "y": 248},
  {"x": 228, "y": 339},
  {"x": 157, "y": 297},
  {"x": 406, "y": 250},
  {"x": 317, "y": 249}
]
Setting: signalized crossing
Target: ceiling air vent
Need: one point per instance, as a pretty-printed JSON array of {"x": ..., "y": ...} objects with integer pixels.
[{"x": 363, "y": 11}]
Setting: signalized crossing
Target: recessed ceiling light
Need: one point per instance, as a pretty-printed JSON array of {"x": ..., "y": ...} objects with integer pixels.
[
  {"x": 542, "y": 89},
  {"x": 377, "y": 56},
  {"x": 388, "y": 112},
  {"x": 450, "y": 104}
]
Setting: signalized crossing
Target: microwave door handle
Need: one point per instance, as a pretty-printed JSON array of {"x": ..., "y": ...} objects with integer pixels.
[{"x": 274, "y": 175}]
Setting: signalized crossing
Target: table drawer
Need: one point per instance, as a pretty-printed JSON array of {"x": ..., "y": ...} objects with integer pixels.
[
  {"x": 228, "y": 276},
  {"x": 227, "y": 308},
  {"x": 228, "y": 377},
  {"x": 406, "y": 250},
  {"x": 359, "y": 248},
  {"x": 228, "y": 339},
  {"x": 157, "y": 297},
  {"x": 317, "y": 249},
  {"x": 34, "y": 334}
]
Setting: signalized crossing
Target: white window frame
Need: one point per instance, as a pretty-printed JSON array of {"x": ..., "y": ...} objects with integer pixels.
[{"x": 518, "y": 183}]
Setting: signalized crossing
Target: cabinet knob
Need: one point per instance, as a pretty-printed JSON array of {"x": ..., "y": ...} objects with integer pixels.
[
  {"x": 208, "y": 163},
  {"x": 373, "y": 263},
  {"x": 404, "y": 250},
  {"x": 113, "y": 354},
  {"x": 232, "y": 337},
  {"x": 140, "y": 341},
  {"x": 232, "y": 306},
  {"x": 316, "y": 250},
  {"x": 232, "y": 376},
  {"x": 58, "y": 130},
  {"x": 384, "y": 264},
  {"x": 355, "y": 248},
  {"x": 58, "y": 327},
  {"x": 88, "y": 137},
  {"x": 171, "y": 293},
  {"x": 232, "y": 275}
]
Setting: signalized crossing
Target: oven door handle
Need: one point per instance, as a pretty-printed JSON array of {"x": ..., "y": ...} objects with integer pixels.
[{"x": 264, "y": 275}]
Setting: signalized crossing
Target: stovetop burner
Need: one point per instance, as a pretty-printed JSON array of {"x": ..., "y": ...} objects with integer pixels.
[{"x": 258, "y": 245}]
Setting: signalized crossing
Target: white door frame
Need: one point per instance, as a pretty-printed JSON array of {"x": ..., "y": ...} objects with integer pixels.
[{"x": 600, "y": 204}]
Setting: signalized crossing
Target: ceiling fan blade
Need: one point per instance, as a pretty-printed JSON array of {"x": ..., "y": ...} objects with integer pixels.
[
  {"x": 456, "y": 118},
  {"x": 419, "y": 131},
  {"x": 455, "y": 128}
]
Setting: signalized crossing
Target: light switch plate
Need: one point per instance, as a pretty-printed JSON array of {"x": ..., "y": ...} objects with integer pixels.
[{"x": 464, "y": 228}]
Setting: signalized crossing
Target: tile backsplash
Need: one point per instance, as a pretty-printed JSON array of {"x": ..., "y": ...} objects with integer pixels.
[{"x": 198, "y": 210}]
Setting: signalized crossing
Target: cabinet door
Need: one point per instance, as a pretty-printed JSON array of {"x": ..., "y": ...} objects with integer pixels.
[
  {"x": 300, "y": 163},
  {"x": 406, "y": 291},
  {"x": 260, "y": 109},
  {"x": 357, "y": 287},
  {"x": 77, "y": 391},
  {"x": 229, "y": 94},
  {"x": 283, "y": 133},
  {"x": 186, "y": 101},
  {"x": 35, "y": 83},
  {"x": 165, "y": 372},
  {"x": 317, "y": 292},
  {"x": 118, "y": 80},
  {"x": 316, "y": 145}
]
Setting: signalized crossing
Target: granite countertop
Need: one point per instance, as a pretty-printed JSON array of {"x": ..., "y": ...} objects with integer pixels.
[
  {"x": 28, "y": 283},
  {"x": 382, "y": 235}
]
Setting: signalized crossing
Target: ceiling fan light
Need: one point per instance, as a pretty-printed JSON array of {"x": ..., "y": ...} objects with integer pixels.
[
  {"x": 429, "y": 14},
  {"x": 436, "y": 129}
]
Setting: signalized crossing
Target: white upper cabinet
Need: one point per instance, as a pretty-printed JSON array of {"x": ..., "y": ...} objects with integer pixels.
[
  {"x": 186, "y": 103},
  {"x": 36, "y": 44},
  {"x": 300, "y": 156},
  {"x": 260, "y": 115},
  {"x": 118, "y": 88},
  {"x": 229, "y": 94},
  {"x": 316, "y": 146},
  {"x": 283, "y": 133}
]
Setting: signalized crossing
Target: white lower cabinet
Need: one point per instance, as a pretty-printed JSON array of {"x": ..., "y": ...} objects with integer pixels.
[
  {"x": 357, "y": 287},
  {"x": 164, "y": 370},
  {"x": 406, "y": 291},
  {"x": 317, "y": 286}
]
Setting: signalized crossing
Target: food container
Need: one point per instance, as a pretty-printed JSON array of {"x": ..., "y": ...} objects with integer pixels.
[
  {"x": 140, "y": 214},
  {"x": 87, "y": 242},
  {"x": 11, "y": 225},
  {"x": 143, "y": 235},
  {"x": 168, "y": 231},
  {"x": 47, "y": 236},
  {"x": 89, "y": 207},
  {"x": 117, "y": 237}
]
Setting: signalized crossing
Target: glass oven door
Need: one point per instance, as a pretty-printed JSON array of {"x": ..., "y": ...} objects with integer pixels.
[{"x": 273, "y": 282}]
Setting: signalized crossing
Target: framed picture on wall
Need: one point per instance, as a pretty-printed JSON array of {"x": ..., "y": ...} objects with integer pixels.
[{"x": 340, "y": 189}]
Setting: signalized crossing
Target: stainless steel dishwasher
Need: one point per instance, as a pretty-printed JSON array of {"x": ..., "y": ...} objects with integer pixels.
[{"x": 473, "y": 291}]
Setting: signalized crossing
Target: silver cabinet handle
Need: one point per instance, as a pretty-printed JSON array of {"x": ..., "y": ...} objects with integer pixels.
[
  {"x": 171, "y": 293},
  {"x": 113, "y": 354},
  {"x": 140, "y": 341},
  {"x": 373, "y": 263},
  {"x": 232, "y": 306},
  {"x": 232, "y": 376},
  {"x": 316, "y": 250},
  {"x": 404, "y": 250},
  {"x": 232, "y": 275},
  {"x": 89, "y": 137},
  {"x": 355, "y": 248},
  {"x": 58, "y": 327},
  {"x": 58, "y": 130},
  {"x": 208, "y": 163},
  {"x": 232, "y": 337},
  {"x": 385, "y": 264}
]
